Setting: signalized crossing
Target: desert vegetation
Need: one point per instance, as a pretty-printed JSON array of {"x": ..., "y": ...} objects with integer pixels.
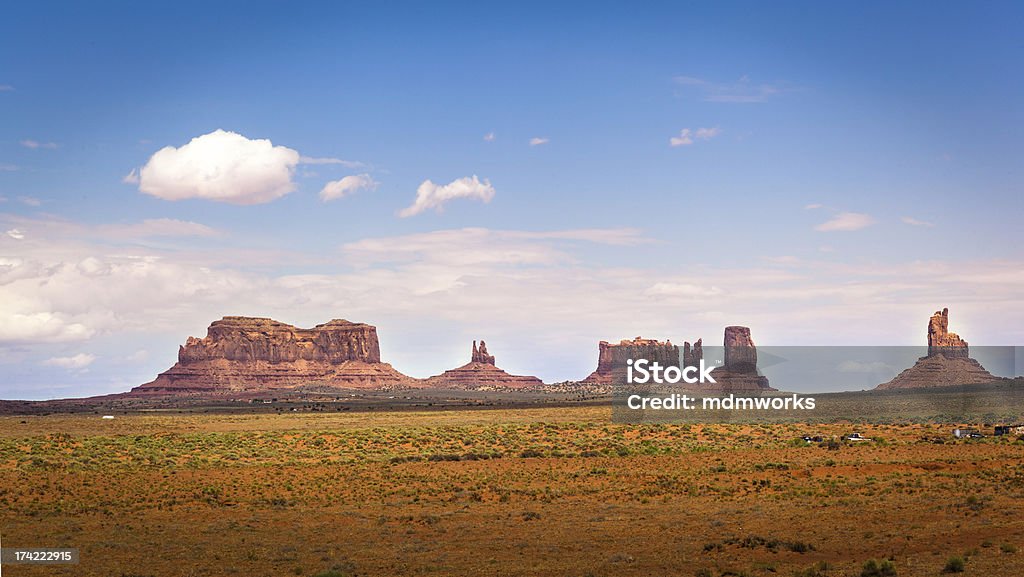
[{"x": 523, "y": 492}]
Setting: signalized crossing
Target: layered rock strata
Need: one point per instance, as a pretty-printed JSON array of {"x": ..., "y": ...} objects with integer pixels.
[{"x": 252, "y": 355}]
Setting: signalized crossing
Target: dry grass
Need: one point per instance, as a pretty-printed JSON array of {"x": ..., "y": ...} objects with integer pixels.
[{"x": 529, "y": 492}]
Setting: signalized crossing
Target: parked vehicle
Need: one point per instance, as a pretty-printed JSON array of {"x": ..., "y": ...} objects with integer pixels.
[{"x": 856, "y": 437}]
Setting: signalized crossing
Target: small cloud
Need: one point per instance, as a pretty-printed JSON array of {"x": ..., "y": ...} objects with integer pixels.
[
  {"x": 221, "y": 166},
  {"x": 430, "y": 195},
  {"x": 132, "y": 177},
  {"x": 328, "y": 160},
  {"x": 138, "y": 356},
  {"x": 689, "y": 136},
  {"x": 35, "y": 144},
  {"x": 863, "y": 367},
  {"x": 812, "y": 206},
  {"x": 347, "y": 185},
  {"x": 159, "y": 227},
  {"x": 740, "y": 91},
  {"x": 8, "y": 167},
  {"x": 669, "y": 289},
  {"x": 16, "y": 234},
  {"x": 846, "y": 221},
  {"x": 537, "y": 141},
  {"x": 914, "y": 222},
  {"x": 784, "y": 260},
  {"x": 30, "y": 201},
  {"x": 489, "y": 137},
  {"x": 6, "y": 88},
  {"x": 79, "y": 361}
]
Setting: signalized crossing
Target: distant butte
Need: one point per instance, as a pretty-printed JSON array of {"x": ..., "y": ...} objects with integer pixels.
[
  {"x": 948, "y": 361},
  {"x": 480, "y": 373},
  {"x": 738, "y": 373},
  {"x": 254, "y": 355}
]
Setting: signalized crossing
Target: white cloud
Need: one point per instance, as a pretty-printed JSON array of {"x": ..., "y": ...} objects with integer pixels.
[
  {"x": 328, "y": 160},
  {"x": 16, "y": 234},
  {"x": 8, "y": 167},
  {"x": 6, "y": 88},
  {"x": 434, "y": 196},
  {"x": 846, "y": 221},
  {"x": 812, "y": 206},
  {"x": 914, "y": 222},
  {"x": 79, "y": 361},
  {"x": 347, "y": 185},
  {"x": 30, "y": 201},
  {"x": 740, "y": 91},
  {"x": 154, "y": 227},
  {"x": 490, "y": 137},
  {"x": 35, "y": 144},
  {"x": 537, "y": 141},
  {"x": 687, "y": 136},
  {"x": 132, "y": 177},
  {"x": 221, "y": 166}
]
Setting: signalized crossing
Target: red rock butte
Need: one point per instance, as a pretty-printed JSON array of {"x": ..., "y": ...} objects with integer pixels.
[
  {"x": 738, "y": 372},
  {"x": 481, "y": 373},
  {"x": 948, "y": 362},
  {"x": 253, "y": 355}
]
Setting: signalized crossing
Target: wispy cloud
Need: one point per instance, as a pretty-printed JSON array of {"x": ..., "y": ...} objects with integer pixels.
[
  {"x": 16, "y": 234},
  {"x": 538, "y": 140},
  {"x": 328, "y": 160},
  {"x": 739, "y": 91},
  {"x": 76, "y": 362},
  {"x": 812, "y": 206},
  {"x": 846, "y": 222},
  {"x": 914, "y": 222},
  {"x": 434, "y": 196},
  {"x": 490, "y": 137},
  {"x": 30, "y": 201},
  {"x": 8, "y": 167},
  {"x": 347, "y": 185},
  {"x": 6, "y": 88},
  {"x": 688, "y": 136},
  {"x": 35, "y": 144}
]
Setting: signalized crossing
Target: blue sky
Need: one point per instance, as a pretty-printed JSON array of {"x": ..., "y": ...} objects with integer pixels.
[{"x": 899, "y": 124}]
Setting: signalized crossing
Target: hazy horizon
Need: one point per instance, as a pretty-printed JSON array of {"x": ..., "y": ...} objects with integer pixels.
[{"x": 541, "y": 177}]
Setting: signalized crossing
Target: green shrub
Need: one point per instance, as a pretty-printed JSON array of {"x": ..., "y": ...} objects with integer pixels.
[
  {"x": 954, "y": 565},
  {"x": 883, "y": 568}
]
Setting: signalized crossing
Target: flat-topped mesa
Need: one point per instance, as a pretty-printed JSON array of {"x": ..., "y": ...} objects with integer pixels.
[
  {"x": 948, "y": 362},
  {"x": 943, "y": 342},
  {"x": 739, "y": 368},
  {"x": 251, "y": 355},
  {"x": 246, "y": 339},
  {"x": 480, "y": 374},
  {"x": 611, "y": 358}
]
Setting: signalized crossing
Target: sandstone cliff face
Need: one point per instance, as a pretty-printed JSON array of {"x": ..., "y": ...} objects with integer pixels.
[
  {"x": 481, "y": 374},
  {"x": 247, "y": 354},
  {"x": 612, "y": 358},
  {"x": 948, "y": 362},
  {"x": 738, "y": 372},
  {"x": 943, "y": 342}
]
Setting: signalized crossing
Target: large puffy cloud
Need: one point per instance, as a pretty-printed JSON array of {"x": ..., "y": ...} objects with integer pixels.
[
  {"x": 434, "y": 196},
  {"x": 220, "y": 166},
  {"x": 74, "y": 362}
]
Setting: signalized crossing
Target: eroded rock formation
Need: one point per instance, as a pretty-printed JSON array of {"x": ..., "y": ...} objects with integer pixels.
[
  {"x": 943, "y": 342},
  {"x": 948, "y": 361},
  {"x": 480, "y": 373},
  {"x": 247, "y": 355},
  {"x": 612, "y": 358},
  {"x": 739, "y": 369}
]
